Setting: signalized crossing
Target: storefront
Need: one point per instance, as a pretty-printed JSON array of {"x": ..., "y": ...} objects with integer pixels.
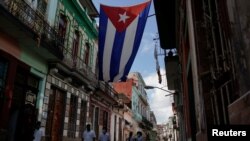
[{"x": 18, "y": 96}]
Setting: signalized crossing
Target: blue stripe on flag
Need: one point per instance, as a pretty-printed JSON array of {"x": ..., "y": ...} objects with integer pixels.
[
  {"x": 138, "y": 36},
  {"x": 116, "y": 54},
  {"x": 102, "y": 37}
]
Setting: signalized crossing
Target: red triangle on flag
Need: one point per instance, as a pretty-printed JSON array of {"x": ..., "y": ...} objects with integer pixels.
[{"x": 122, "y": 17}]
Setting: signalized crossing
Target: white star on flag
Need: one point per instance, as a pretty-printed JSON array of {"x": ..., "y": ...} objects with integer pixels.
[{"x": 123, "y": 17}]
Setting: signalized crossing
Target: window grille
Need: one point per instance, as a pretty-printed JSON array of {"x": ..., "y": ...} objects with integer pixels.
[
  {"x": 83, "y": 116},
  {"x": 72, "y": 116},
  {"x": 105, "y": 119},
  {"x": 96, "y": 121},
  {"x": 75, "y": 47}
]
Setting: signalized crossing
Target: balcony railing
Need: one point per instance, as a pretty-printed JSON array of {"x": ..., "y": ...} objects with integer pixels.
[
  {"x": 145, "y": 124},
  {"x": 86, "y": 70},
  {"x": 105, "y": 87},
  {"x": 34, "y": 21},
  {"x": 48, "y": 38},
  {"x": 77, "y": 62},
  {"x": 28, "y": 16},
  {"x": 104, "y": 91}
]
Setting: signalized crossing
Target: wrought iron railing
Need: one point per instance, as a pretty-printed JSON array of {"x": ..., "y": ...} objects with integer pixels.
[
  {"x": 34, "y": 21},
  {"x": 87, "y": 71},
  {"x": 78, "y": 62},
  {"x": 105, "y": 87},
  {"x": 47, "y": 36},
  {"x": 147, "y": 123},
  {"x": 27, "y": 15}
]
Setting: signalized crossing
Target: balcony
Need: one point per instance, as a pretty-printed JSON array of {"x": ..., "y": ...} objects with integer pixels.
[
  {"x": 77, "y": 69},
  {"x": 105, "y": 91},
  {"x": 29, "y": 28},
  {"x": 144, "y": 96},
  {"x": 145, "y": 124}
]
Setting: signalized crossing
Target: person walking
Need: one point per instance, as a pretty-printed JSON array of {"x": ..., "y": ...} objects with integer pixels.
[
  {"x": 139, "y": 136},
  {"x": 88, "y": 134},
  {"x": 39, "y": 132},
  {"x": 104, "y": 136},
  {"x": 130, "y": 137}
]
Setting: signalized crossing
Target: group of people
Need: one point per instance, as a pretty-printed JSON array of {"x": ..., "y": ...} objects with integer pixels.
[
  {"x": 89, "y": 135},
  {"x": 137, "y": 138}
]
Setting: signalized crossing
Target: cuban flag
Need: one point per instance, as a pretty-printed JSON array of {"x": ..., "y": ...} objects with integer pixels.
[{"x": 120, "y": 33}]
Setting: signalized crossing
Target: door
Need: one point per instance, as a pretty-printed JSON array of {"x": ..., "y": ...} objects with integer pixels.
[
  {"x": 55, "y": 119},
  {"x": 23, "y": 112}
]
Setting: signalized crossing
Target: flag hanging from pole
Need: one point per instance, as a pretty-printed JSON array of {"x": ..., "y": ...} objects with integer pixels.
[
  {"x": 120, "y": 33},
  {"x": 157, "y": 65}
]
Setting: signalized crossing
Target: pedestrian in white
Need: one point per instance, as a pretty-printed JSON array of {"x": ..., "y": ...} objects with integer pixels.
[
  {"x": 139, "y": 136},
  {"x": 104, "y": 136},
  {"x": 39, "y": 132},
  {"x": 88, "y": 135}
]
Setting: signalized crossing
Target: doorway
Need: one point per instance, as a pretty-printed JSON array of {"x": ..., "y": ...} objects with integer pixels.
[
  {"x": 55, "y": 118},
  {"x": 23, "y": 113}
]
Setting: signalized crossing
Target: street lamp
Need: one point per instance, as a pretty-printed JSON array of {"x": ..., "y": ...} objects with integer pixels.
[{"x": 153, "y": 87}]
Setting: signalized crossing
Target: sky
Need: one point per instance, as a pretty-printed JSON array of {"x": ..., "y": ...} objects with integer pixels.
[{"x": 145, "y": 63}]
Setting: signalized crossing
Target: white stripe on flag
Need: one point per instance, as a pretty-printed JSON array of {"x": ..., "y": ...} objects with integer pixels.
[
  {"x": 127, "y": 47},
  {"x": 109, "y": 41}
]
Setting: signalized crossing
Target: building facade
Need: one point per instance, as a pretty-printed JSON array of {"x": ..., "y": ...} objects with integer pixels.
[
  {"x": 24, "y": 67},
  {"x": 48, "y": 61},
  {"x": 48, "y": 73},
  {"x": 134, "y": 89},
  {"x": 211, "y": 42},
  {"x": 153, "y": 132}
]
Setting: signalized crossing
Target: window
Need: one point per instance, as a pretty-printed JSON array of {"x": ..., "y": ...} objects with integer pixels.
[
  {"x": 72, "y": 116},
  {"x": 62, "y": 28},
  {"x": 115, "y": 129},
  {"x": 96, "y": 123},
  {"x": 75, "y": 47},
  {"x": 83, "y": 116},
  {"x": 32, "y": 91},
  {"x": 105, "y": 119},
  {"x": 86, "y": 60},
  {"x": 120, "y": 129}
]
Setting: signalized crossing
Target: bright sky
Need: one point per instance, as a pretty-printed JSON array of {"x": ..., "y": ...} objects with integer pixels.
[{"x": 145, "y": 63}]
